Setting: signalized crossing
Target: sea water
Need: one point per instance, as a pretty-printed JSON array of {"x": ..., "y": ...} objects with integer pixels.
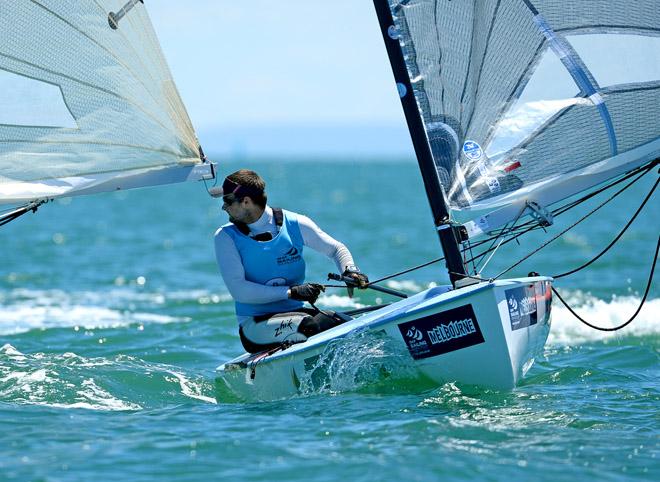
[{"x": 113, "y": 318}]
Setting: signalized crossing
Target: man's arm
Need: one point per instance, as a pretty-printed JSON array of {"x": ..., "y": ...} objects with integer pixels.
[
  {"x": 232, "y": 271},
  {"x": 320, "y": 241}
]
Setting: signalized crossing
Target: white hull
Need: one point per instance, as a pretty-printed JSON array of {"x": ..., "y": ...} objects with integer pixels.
[{"x": 485, "y": 334}]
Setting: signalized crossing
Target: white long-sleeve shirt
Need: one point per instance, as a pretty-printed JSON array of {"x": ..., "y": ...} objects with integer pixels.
[{"x": 231, "y": 266}]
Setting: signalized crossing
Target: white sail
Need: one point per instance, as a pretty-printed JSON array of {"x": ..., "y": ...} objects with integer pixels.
[
  {"x": 87, "y": 105},
  {"x": 531, "y": 100}
]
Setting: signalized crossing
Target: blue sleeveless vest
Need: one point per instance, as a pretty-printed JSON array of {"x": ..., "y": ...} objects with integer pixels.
[{"x": 277, "y": 262}]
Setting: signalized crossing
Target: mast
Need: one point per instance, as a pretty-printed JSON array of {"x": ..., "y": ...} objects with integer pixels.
[{"x": 447, "y": 232}]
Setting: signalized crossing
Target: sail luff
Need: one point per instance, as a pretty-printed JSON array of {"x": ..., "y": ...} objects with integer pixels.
[{"x": 441, "y": 217}]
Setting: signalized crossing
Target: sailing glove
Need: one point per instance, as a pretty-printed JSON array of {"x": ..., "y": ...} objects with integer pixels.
[
  {"x": 361, "y": 280},
  {"x": 306, "y": 292}
]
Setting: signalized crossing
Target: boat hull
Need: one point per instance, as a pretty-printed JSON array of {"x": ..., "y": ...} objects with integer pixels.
[{"x": 486, "y": 334}]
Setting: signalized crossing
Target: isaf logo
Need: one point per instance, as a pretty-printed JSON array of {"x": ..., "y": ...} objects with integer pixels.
[
  {"x": 415, "y": 334},
  {"x": 513, "y": 304}
]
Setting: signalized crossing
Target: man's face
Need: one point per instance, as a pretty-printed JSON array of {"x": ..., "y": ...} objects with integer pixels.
[{"x": 235, "y": 208}]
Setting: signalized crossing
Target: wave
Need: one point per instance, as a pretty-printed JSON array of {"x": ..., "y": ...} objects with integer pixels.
[
  {"x": 568, "y": 330},
  {"x": 23, "y": 310},
  {"x": 21, "y": 318},
  {"x": 120, "y": 383}
]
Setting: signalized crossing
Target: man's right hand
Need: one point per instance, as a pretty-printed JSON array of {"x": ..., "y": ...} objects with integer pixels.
[{"x": 306, "y": 292}]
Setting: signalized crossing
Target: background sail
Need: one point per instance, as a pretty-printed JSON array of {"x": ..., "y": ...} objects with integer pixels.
[
  {"x": 82, "y": 103},
  {"x": 531, "y": 99}
]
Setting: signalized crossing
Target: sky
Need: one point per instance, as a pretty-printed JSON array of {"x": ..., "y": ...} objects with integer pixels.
[{"x": 299, "y": 78}]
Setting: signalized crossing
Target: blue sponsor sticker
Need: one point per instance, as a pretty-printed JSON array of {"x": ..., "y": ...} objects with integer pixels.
[
  {"x": 472, "y": 150},
  {"x": 443, "y": 332},
  {"x": 521, "y": 303}
]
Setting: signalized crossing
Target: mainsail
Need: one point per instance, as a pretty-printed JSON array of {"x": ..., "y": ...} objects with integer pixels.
[
  {"x": 531, "y": 100},
  {"x": 87, "y": 102}
]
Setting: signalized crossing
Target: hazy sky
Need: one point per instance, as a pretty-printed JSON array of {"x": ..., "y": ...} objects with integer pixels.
[{"x": 298, "y": 76}]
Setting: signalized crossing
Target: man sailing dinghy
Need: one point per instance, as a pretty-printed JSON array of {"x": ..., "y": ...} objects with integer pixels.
[
  {"x": 512, "y": 107},
  {"x": 260, "y": 256}
]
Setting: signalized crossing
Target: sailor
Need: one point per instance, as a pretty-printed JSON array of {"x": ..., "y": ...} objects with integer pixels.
[{"x": 259, "y": 253}]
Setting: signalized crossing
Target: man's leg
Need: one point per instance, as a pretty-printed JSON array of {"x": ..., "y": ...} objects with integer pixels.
[{"x": 264, "y": 333}]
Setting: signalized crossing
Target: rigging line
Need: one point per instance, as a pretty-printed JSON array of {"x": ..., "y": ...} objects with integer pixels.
[
  {"x": 469, "y": 248},
  {"x": 503, "y": 233},
  {"x": 513, "y": 237},
  {"x": 490, "y": 257},
  {"x": 618, "y": 236},
  {"x": 639, "y": 308},
  {"x": 642, "y": 171},
  {"x": 554, "y": 238},
  {"x": 528, "y": 226},
  {"x": 424, "y": 265}
]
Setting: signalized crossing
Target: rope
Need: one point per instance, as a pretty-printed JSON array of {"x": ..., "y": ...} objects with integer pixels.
[
  {"x": 407, "y": 270},
  {"x": 607, "y": 248},
  {"x": 561, "y": 233},
  {"x": 518, "y": 231},
  {"x": 639, "y": 308}
]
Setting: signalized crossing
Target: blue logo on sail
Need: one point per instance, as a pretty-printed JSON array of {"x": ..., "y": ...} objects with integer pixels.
[{"x": 472, "y": 150}]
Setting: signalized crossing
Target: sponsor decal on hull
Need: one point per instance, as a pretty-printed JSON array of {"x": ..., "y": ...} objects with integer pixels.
[
  {"x": 443, "y": 332},
  {"x": 521, "y": 303}
]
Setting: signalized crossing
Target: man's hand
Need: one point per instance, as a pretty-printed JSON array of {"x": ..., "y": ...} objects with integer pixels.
[
  {"x": 306, "y": 292},
  {"x": 361, "y": 280}
]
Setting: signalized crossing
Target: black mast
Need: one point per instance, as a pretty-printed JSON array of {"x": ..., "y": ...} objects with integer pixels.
[{"x": 446, "y": 231}]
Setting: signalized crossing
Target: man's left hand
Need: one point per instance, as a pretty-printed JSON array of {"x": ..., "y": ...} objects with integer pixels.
[{"x": 361, "y": 280}]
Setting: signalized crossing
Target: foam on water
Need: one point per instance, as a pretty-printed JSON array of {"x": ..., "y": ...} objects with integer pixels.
[
  {"x": 71, "y": 381},
  {"x": 568, "y": 330},
  {"x": 338, "y": 301},
  {"x": 357, "y": 362},
  {"x": 22, "y": 318},
  {"x": 47, "y": 380},
  {"x": 23, "y": 310}
]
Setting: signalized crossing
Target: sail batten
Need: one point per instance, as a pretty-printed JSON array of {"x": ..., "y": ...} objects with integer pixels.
[
  {"x": 125, "y": 112},
  {"x": 527, "y": 89}
]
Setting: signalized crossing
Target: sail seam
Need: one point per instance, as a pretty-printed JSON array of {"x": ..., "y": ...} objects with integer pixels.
[
  {"x": 93, "y": 143},
  {"x": 581, "y": 75},
  {"x": 481, "y": 67},
  {"x": 114, "y": 57},
  {"x": 105, "y": 171},
  {"x": 92, "y": 86}
]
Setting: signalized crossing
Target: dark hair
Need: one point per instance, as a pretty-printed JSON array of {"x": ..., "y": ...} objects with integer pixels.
[{"x": 251, "y": 179}]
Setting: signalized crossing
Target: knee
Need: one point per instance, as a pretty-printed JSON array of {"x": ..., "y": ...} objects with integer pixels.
[{"x": 309, "y": 326}]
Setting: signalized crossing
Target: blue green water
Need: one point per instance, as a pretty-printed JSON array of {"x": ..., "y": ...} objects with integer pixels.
[{"x": 113, "y": 318}]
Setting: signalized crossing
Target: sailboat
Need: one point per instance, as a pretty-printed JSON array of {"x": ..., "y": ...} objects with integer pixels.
[
  {"x": 513, "y": 106},
  {"x": 87, "y": 104},
  {"x": 510, "y": 106}
]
